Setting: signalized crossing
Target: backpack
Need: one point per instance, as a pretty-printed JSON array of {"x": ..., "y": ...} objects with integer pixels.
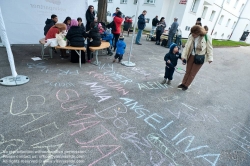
[
  {"x": 206, "y": 37},
  {"x": 164, "y": 42},
  {"x": 153, "y": 38}
]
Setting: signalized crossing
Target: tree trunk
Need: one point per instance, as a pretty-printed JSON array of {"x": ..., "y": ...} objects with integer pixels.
[{"x": 102, "y": 10}]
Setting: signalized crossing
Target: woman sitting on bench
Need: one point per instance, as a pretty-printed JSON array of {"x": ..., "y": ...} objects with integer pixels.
[
  {"x": 95, "y": 38},
  {"x": 56, "y": 29},
  {"x": 75, "y": 36}
]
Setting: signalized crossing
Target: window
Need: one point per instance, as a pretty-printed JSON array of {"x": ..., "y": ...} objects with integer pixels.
[
  {"x": 221, "y": 19},
  {"x": 123, "y": 1},
  {"x": 236, "y": 3},
  {"x": 204, "y": 12},
  {"x": 150, "y": 1},
  {"x": 241, "y": 8},
  {"x": 212, "y": 16},
  {"x": 233, "y": 25},
  {"x": 187, "y": 28},
  {"x": 228, "y": 22},
  {"x": 228, "y": 1},
  {"x": 194, "y": 6},
  {"x": 110, "y": 1}
]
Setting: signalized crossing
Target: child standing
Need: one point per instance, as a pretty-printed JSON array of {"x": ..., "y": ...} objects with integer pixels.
[
  {"x": 95, "y": 38},
  {"x": 108, "y": 36},
  {"x": 171, "y": 59},
  {"x": 121, "y": 46}
]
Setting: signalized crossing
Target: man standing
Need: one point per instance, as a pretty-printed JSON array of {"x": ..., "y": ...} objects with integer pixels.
[
  {"x": 172, "y": 32},
  {"x": 198, "y": 21},
  {"x": 49, "y": 23},
  {"x": 154, "y": 23},
  {"x": 178, "y": 37},
  {"x": 116, "y": 10},
  {"x": 141, "y": 25}
]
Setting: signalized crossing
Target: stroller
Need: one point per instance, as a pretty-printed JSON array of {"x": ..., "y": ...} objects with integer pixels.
[{"x": 127, "y": 26}]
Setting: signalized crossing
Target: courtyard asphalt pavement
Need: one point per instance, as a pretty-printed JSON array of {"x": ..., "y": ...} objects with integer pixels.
[{"x": 113, "y": 115}]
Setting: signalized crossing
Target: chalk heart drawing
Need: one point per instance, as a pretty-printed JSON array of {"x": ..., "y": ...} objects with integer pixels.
[{"x": 9, "y": 147}]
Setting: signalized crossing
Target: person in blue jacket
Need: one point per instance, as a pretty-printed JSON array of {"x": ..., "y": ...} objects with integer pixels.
[
  {"x": 141, "y": 25},
  {"x": 120, "y": 49},
  {"x": 108, "y": 36},
  {"x": 171, "y": 59}
]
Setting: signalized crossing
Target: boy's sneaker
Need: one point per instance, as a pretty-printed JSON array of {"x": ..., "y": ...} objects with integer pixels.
[
  {"x": 169, "y": 82},
  {"x": 184, "y": 88},
  {"x": 180, "y": 86},
  {"x": 119, "y": 61},
  {"x": 114, "y": 60},
  {"x": 164, "y": 81}
]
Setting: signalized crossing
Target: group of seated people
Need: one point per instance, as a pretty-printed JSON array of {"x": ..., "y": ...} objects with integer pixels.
[{"x": 75, "y": 33}]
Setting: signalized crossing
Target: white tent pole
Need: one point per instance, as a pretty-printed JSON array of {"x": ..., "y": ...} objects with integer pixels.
[
  {"x": 132, "y": 42},
  {"x": 128, "y": 63},
  {"x": 6, "y": 43},
  {"x": 14, "y": 79}
]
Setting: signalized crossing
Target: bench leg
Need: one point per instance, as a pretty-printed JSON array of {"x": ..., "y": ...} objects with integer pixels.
[
  {"x": 42, "y": 52},
  {"x": 96, "y": 62},
  {"x": 80, "y": 57},
  {"x": 51, "y": 52}
]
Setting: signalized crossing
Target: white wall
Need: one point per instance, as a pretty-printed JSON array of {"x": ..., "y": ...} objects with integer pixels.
[
  {"x": 189, "y": 18},
  {"x": 129, "y": 9},
  {"x": 171, "y": 8},
  {"x": 25, "y": 20},
  {"x": 243, "y": 24}
]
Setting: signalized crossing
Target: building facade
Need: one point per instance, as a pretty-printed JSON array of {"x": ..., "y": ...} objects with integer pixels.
[{"x": 226, "y": 19}]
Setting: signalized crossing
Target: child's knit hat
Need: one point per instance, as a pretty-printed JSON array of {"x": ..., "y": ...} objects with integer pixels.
[
  {"x": 121, "y": 37},
  {"x": 172, "y": 46}
]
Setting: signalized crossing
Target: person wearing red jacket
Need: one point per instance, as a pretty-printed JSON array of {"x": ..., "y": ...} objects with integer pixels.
[
  {"x": 118, "y": 22},
  {"x": 56, "y": 29}
]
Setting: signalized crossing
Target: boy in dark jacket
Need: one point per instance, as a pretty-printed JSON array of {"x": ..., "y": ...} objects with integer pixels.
[
  {"x": 94, "y": 36},
  {"x": 49, "y": 23},
  {"x": 120, "y": 49},
  {"x": 171, "y": 59}
]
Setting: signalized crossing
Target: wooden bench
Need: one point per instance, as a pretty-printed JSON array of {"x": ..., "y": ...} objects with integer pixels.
[
  {"x": 164, "y": 37},
  {"x": 104, "y": 45},
  {"x": 77, "y": 50},
  {"x": 42, "y": 42}
]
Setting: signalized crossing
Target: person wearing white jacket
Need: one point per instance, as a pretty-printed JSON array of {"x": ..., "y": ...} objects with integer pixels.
[
  {"x": 198, "y": 45},
  {"x": 178, "y": 37}
]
